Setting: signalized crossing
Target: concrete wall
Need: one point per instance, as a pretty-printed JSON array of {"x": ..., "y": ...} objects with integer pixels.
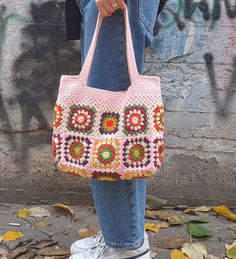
[{"x": 194, "y": 52}]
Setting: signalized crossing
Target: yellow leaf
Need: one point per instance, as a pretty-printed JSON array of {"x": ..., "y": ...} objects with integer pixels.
[
  {"x": 177, "y": 254},
  {"x": 191, "y": 211},
  {"x": 203, "y": 208},
  {"x": 155, "y": 227},
  {"x": 11, "y": 235},
  {"x": 23, "y": 213},
  {"x": 84, "y": 232},
  {"x": 64, "y": 207},
  {"x": 224, "y": 211}
]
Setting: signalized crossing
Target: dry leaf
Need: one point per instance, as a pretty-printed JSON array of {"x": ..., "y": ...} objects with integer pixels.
[
  {"x": 224, "y": 211},
  {"x": 191, "y": 211},
  {"x": 64, "y": 207},
  {"x": 42, "y": 224},
  {"x": 16, "y": 253},
  {"x": 152, "y": 254},
  {"x": 165, "y": 215},
  {"x": 177, "y": 254},
  {"x": 231, "y": 250},
  {"x": 150, "y": 214},
  {"x": 203, "y": 209},
  {"x": 182, "y": 207},
  {"x": 172, "y": 242},
  {"x": 156, "y": 227},
  {"x": 84, "y": 232},
  {"x": 195, "y": 250},
  {"x": 11, "y": 235},
  {"x": 23, "y": 213},
  {"x": 211, "y": 257},
  {"x": 39, "y": 212},
  {"x": 48, "y": 251},
  {"x": 43, "y": 243},
  {"x": 4, "y": 254}
]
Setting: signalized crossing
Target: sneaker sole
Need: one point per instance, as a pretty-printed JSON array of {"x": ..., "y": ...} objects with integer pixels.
[{"x": 144, "y": 255}]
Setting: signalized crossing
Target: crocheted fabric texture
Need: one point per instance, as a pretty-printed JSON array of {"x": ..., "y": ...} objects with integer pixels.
[{"x": 108, "y": 137}]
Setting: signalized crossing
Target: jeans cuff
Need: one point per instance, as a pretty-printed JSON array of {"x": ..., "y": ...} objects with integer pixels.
[{"x": 131, "y": 246}]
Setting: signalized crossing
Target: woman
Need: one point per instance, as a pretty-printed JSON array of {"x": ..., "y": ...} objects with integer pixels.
[{"x": 120, "y": 205}]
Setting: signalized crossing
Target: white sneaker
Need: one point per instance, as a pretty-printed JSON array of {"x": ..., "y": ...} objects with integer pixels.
[
  {"x": 84, "y": 244},
  {"x": 100, "y": 250}
]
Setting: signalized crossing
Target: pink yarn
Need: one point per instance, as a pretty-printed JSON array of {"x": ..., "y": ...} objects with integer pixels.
[{"x": 109, "y": 135}]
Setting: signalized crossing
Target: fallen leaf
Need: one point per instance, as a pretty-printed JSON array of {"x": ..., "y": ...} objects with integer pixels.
[
  {"x": 84, "y": 232},
  {"x": 23, "y": 213},
  {"x": 43, "y": 244},
  {"x": 198, "y": 231},
  {"x": 195, "y": 250},
  {"x": 18, "y": 251},
  {"x": 42, "y": 224},
  {"x": 196, "y": 220},
  {"x": 224, "y": 211},
  {"x": 177, "y": 254},
  {"x": 231, "y": 250},
  {"x": 152, "y": 254},
  {"x": 150, "y": 214},
  {"x": 4, "y": 254},
  {"x": 48, "y": 251},
  {"x": 155, "y": 227},
  {"x": 64, "y": 207},
  {"x": 39, "y": 212},
  {"x": 154, "y": 203},
  {"x": 166, "y": 215},
  {"x": 191, "y": 211},
  {"x": 28, "y": 255},
  {"x": 182, "y": 207},
  {"x": 211, "y": 257},
  {"x": 11, "y": 235},
  {"x": 172, "y": 242},
  {"x": 203, "y": 209}
]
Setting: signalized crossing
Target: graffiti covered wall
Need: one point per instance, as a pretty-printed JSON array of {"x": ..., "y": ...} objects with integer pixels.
[{"x": 194, "y": 52}]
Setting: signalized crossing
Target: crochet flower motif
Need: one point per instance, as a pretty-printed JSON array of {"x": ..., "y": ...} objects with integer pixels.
[
  {"x": 56, "y": 143},
  {"x": 159, "y": 118},
  {"x": 77, "y": 150},
  {"x": 57, "y": 115},
  {"x": 135, "y": 120},
  {"x": 109, "y": 123},
  {"x": 106, "y": 154},
  {"x": 81, "y": 119},
  {"x": 136, "y": 152},
  {"x": 109, "y": 176},
  {"x": 158, "y": 152}
]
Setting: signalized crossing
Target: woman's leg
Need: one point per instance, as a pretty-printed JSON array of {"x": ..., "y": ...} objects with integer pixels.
[{"x": 120, "y": 205}]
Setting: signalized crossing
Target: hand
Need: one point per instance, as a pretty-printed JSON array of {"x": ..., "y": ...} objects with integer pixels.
[{"x": 105, "y": 6}]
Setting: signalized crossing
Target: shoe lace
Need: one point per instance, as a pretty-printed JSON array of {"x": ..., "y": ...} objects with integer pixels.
[{"x": 99, "y": 248}]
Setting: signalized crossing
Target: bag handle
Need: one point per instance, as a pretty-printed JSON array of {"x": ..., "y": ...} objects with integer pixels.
[{"x": 132, "y": 67}]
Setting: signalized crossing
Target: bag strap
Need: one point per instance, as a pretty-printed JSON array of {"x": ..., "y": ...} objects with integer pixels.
[{"x": 132, "y": 67}]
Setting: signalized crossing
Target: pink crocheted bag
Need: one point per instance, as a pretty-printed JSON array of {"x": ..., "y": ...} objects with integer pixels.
[{"x": 108, "y": 135}]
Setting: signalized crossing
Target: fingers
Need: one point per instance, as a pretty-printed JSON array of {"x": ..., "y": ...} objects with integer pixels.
[
  {"x": 102, "y": 9},
  {"x": 121, "y": 4},
  {"x": 108, "y": 7}
]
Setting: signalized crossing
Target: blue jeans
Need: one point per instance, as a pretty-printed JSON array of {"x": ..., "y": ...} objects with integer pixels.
[{"x": 120, "y": 205}]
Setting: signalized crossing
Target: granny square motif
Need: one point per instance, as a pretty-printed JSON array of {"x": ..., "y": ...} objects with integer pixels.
[{"x": 106, "y": 135}]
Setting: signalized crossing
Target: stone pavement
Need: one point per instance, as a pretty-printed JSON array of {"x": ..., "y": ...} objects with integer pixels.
[{"x": 64, "y": 228}]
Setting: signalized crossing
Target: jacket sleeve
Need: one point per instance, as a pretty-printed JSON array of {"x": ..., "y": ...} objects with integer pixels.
[{"x": 72, "y": 20}]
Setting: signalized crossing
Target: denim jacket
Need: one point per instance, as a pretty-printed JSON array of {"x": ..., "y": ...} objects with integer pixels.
[{"x": 73, "y": 17}]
